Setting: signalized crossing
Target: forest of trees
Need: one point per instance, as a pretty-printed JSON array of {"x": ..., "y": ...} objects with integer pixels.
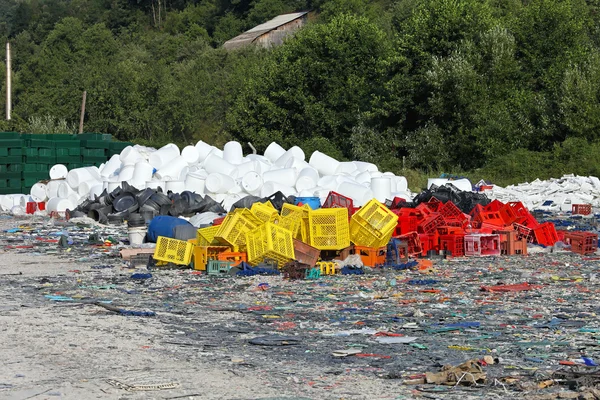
[{"x": 504, "y": 86}]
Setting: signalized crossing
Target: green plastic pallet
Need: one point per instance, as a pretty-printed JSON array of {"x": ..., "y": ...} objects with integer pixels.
[{"x": 35, "y": 167}]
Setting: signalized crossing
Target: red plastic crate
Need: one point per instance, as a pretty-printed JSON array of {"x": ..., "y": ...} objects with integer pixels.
[
  {"x": 491, "y": 218},
  {"x": 581, "y": 209},
  {"x": 336, "y": 200},
  {"x": 449, "y": 210},
  {"x": 423, "y": 211},
  {"x": 406, "y": 225},
  {"x": 482, "y": 245},
  {"x": 413, "y": 241},
  {"x": 453, "y": 243},
  {"x": 524, "y": 232},
  {"x": 434, "y": 204},
  {"x": 219, "y": 221},
  {"x": 430, "y": 224},
  {"x": 583, "y": 243},
  {"x": 475, "y": 213},
  {"x": 494, "y": 205},
  {"x": 429, "y": 242},
  {"x": 397, "y": 202},
  {"x": 508, "y": 214},
  {"x": 450, "y": 230},
  {"x": 545, "y": 234}
]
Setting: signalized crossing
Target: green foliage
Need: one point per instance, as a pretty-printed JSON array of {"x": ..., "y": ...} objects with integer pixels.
[
  {"x": 315, "y": 85},
  {"x": 506, "y": 89},
  {"x": 49, "y": 124}
]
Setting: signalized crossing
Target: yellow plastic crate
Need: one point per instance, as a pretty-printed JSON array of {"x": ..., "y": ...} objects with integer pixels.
[
  {"x": 235, "y": 226},
  {"x": 291, "y": 218},
  {"x": 372, "y": 225},
  {"x": 328, "y": 228},
  {"x": 272, "y": 241},
  {"x": 264, "y": 211},
  {"x": 174, "y": 251},
  {"x": 206, "y": 236},
  {"x": 203, "y": 254}
]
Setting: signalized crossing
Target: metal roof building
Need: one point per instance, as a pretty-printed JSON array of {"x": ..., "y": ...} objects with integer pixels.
[{"x": 271, "y": 33}]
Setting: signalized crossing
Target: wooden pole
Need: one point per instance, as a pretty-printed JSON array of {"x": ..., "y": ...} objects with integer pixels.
[
  {"x": 82, "y": 112},
  {"x": 8, "y": 83}
]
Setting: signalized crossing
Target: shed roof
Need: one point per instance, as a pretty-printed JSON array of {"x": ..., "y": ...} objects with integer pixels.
[{"x": 250, "y": 35}]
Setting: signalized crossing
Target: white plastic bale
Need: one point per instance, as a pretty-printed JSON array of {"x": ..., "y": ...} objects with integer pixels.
[
  {"x": 358, "y": 193},
  {"x": 270, "y": 188},
  {"x": 204, "y": 150},
  {"x": 382, "y": 188},
  {"x": 39, "y": 192},
  {"x": 195, "y": 182},
  {"x": 113, "y": 164}
]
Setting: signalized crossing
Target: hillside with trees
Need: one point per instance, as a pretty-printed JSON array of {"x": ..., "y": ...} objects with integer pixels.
[{"x": 507, "y": 90}]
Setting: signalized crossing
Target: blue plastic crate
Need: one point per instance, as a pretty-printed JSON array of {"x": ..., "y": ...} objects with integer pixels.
[{"x": 313, "y": 202}]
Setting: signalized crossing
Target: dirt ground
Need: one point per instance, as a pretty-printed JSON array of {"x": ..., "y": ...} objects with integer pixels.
[{"x": 58, "y": 343}]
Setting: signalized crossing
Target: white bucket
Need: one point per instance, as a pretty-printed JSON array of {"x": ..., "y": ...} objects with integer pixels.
[
  {"x": 85, "y": 187},
  {"x": 64, "y": 190},
  {"x": 346, "y": 168},
  {"x": 382, "y": 188},
  {"x": 215, "y": 164},
  {"x": 323, "y": 163},
  {"x": 111, "y": 166},
  {"x": 232, "y": 152},
  {"x": 284, "y": 176},
  {"x": 274, "y": 151},
  {"x": 294, "y": 153},
  {"x": 230, "y": 200},
  {"x": 136, "y": 235},
  {"x": 155, "y": 184},
  {"x": 95, "y": 191},
  {"x": 142, "y": 171},
  {"x": 78, "y": 175},
  {"x": 307, "y": 179},
  {"x": 365, "y": 166},
  {"x": 358, "y": 193},
  {"x": 252, "y": 183},
  {"x": 163, "y": 156},
  {"x": 219, "y": 183},
  {"x": 195, "y": 182},
  {"x": 175, "y": 186},
  {"x": 57, "y": 204},
  {"x": 204, "y": 149},
  {"x": 39, "y": 192},
  {"x": 58, "y": 171},
  {"x": 401, "y": 184},
  {"x": 328, "y": 182},
  {"x": 190, "y": 154},
  {"x": 139, "y": 185},
  {"x": 248, "y": 166},
  {"x": 126, "y": 173},
  {"x": 375, "y": 174},
  {"x": 129, "y": 156},
  {"x": 52, "y": 187},
  {"x": 112, "y": 185},
  {"x": 173, "y": 170},
  {"x": 363, "y": 178},
  {"x": 270, "y": 188}
]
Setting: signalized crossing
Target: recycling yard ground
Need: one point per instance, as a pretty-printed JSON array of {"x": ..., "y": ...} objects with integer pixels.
[{"x": 201, "y": 344}]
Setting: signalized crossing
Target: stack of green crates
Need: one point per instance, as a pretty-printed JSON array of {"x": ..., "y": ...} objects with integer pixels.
[
  {"x": 26, "y": 159},
  {"x": 11, "y": 162}
]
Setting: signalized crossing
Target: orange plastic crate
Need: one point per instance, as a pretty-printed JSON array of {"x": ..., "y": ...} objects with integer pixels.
[{"x": 371, "y": 256}]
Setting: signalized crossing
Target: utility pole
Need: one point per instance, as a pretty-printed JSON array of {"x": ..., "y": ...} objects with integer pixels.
[
  {"x": 8, "y": 83},
  {"x": 82, "y": 112}
]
